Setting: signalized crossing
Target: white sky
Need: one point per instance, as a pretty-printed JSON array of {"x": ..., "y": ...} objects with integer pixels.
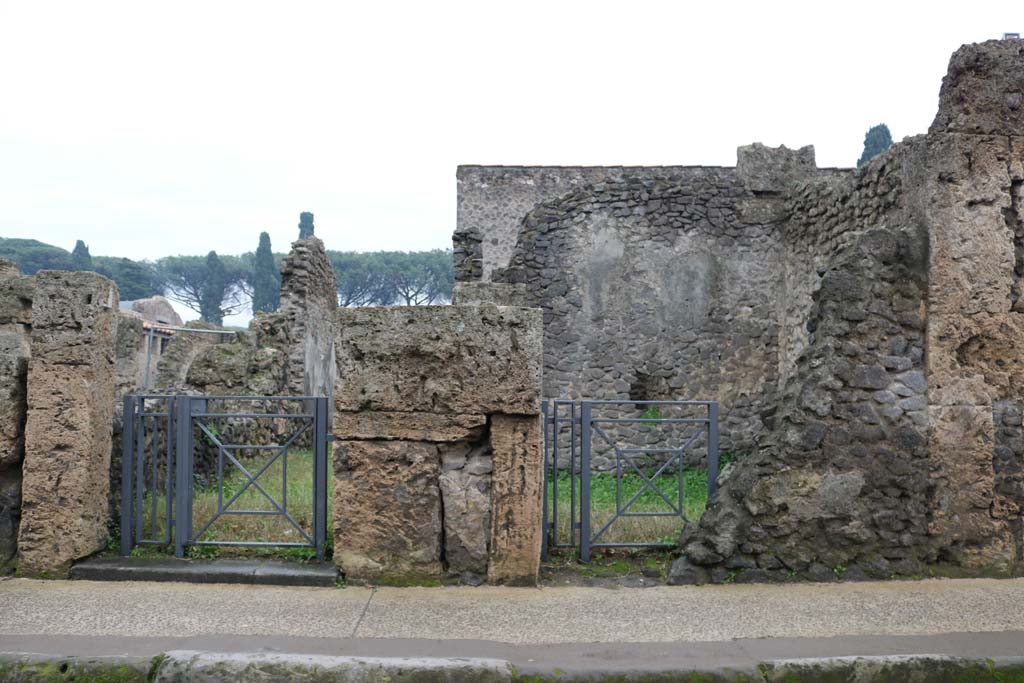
[{"x": 149, "y": 128}]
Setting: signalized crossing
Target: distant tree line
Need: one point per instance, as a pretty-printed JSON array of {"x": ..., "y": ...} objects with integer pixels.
[{"x": 216, "y": 286}]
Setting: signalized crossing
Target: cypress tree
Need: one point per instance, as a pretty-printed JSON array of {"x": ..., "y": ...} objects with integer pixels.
[
  {"x": 215, "y": 286},
  {"x": 80, "y": 257},
  {"x": 266, "y": 281},
  {"x": 305, "y": 225},
  {"x": 876, "y": 141}
]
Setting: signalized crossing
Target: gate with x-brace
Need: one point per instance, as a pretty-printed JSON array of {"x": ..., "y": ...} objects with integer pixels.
[
  {"x": 608, "y": 463},
  {"x": 247, "y": 471}
]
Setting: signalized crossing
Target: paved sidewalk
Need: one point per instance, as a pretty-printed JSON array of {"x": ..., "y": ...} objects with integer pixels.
[{"x": 574, "y": 629}]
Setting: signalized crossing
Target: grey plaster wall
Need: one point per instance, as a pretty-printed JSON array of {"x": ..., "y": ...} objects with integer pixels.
[{"x": 656, "y": 282}]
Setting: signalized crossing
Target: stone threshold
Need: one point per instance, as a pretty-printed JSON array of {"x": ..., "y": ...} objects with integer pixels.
[{"x": 261, "y": 572}]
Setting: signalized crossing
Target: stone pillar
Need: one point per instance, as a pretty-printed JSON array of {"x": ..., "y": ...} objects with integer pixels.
[
  {"x": 15, "y": 327},
  {"x": 970, "y": 201},
  {"x": 70, "y": 411},
  {"x": 438, "y": 460}
]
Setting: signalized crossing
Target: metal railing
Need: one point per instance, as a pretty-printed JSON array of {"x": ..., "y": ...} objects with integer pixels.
[
  {"x": 570, "y": 428},
  {"x": 172, "y": 428}
]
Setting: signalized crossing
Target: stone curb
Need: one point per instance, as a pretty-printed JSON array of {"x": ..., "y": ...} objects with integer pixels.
[
  {"x": 259, "y": 572},
  {"x": 187, "y": 666},
  {"x": 209, "y": 667}
]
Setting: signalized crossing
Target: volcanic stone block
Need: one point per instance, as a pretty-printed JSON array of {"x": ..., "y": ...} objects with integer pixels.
[
  {"x": 516, "y": 488},
  {"x": 960, "y": 446},
  {"x": 467, "y": 517},
  {"x": 983, "y": 90},
  {"x": 497, "y": 293},
  {"x": 409, "y": 426},
  {"x": 387, "y": 510},
  {"x": 70, "y": 414},
  {"x": 773, "y": 169},
  {"x": 439, "y": 359}
]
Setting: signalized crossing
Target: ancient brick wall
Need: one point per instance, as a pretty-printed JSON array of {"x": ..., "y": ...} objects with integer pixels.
[
  {"x": 71, "y": 396},
  {"x": 16, "y": 293},
  {"x": 438, "y": 458}
]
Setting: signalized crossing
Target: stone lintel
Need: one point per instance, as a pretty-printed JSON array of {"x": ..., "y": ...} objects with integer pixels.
[{"x": 413, "y": 426}]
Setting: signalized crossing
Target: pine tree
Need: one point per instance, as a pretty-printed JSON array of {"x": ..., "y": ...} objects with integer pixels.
[
  {"x": 876, "y": 141},
  {"x": 305, "y": 225},
  {"x": 266, "y": 281},
  {"x": 80, "y": 257}
]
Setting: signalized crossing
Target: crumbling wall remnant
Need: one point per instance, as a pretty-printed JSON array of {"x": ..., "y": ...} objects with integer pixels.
[
  {"x": 438, "y": 458},
  {"x": 898, "y": 440}
]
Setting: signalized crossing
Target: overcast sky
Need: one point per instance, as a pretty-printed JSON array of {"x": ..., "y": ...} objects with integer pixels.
[{"x": 149, "y": 128}]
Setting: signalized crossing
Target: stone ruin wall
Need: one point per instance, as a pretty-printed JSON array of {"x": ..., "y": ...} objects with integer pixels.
[
  {"x": 898, "y": 448},
  {"x": 840, "y": 480},
  {"x": 656, "y": 283},
  {"x": 438, "y": 459},
  {"x": 890, "y": 438}
]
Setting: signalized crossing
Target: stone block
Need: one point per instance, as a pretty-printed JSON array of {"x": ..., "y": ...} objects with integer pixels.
[
  {"x": 961, "y": 451},
  {"x": 467, "y": 519},
  {"x": 983, "y": 90},
  {"x": 432, "y": 427},
  {"x": 439, "y": 359},
  {"x": 773, "y": 169},
  {"x": 16, "y": 299},
  {"x": 70, "y": 414},
  {"x": 387, "y": 510},
  {"x": 497, "y": 293},
  {"x": 516, "y": 499}
]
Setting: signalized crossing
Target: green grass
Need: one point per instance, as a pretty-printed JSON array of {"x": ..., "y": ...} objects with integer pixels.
[
  {"x": 633, "y": 529},
  {"x": 265, "y": 528}
]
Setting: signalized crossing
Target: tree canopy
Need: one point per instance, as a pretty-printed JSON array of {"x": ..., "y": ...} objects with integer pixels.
[
  {"x": 876, "y": 141},
  {"x": 135, "y": 279},
  {"x": 393, "y": 278},
  {"x": 212, "y": 286},
  {"x": 215, "y": 286},
  {"x": 33, "y": 255}
]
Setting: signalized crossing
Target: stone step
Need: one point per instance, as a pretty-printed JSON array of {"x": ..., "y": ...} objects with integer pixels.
[{"x": 264, "y": 572}]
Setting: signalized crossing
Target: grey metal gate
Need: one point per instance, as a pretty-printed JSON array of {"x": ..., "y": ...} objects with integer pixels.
[
  {"x": 159, "y": 477},
  {"x": 572, "y": 429}
]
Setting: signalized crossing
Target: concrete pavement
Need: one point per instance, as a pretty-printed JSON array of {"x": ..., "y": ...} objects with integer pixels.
[{"x": 577, "y": 630}]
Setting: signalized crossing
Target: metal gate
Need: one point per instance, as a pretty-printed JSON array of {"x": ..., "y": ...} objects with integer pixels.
[
  {"x": 159, "y": 476},
  {"x": 575, "y": 430}
]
